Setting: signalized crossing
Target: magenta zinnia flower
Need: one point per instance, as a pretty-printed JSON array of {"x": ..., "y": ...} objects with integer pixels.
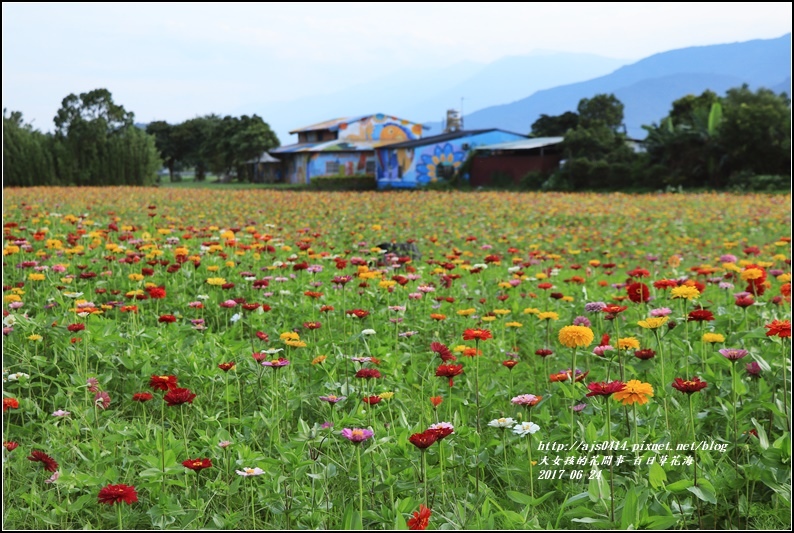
[
  {"x": 357, "y": 435},
  {"x": 733, "y": 354}
]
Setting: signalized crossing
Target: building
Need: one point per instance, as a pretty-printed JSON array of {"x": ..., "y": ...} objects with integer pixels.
[
  {"x": 342, "y": 146},
  {"x": 415, "y": 163},
  {"x": 265, "y": 169},
  {"x": 507, "y": 163}
]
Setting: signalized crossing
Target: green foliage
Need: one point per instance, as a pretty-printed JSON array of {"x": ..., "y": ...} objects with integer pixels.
[
  {"x": 601, "y": 109},
  {"x": 554, "y": 126},
  {"x": 28, "y": 156},
  {"x": 343, "y": 183}
]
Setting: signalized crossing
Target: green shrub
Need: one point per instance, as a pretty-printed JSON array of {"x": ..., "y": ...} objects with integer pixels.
[{"x": 364, "y": 182}]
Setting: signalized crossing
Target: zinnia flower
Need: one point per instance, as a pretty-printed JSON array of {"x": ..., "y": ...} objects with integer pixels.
[
  {"x": 276, "y": 363},
  {"x": 685, "y": 291},
  {"x": 449, "y": 371},
  {"x": 529, "y": 400},
  {"x": 178, "y": 396},
  {"x": 602, "y": 388},
  {"x": 634, "y": 391},
  {"x": 781, "y": 328},
  {"x": 477, "y": 334},
  {"x": 197, "y": 465},
  {"x": 10, "y": 403},
  {"x": 543, "y": 352},
  {"x": 423, "y": 440},
  {"x": 421, "y": 519},
  {"x": 248, "y": 472},
  {"x": 628, "y": 343},
  {"x": 638, "y": 292},
  {"x": 442, "y": 429},
  {"x": 526, "y": 428},
  {"x": 112, "y": 494},
  {"x": 733, "y": 354},
  {"x": 501, "y": 422},
  {"x": 102, "y": 399},
  {"x": 576, "y": 336},
  {"x": 357, "y": 435},
  {"x": 368, "y": 373},
  {"x": 142, "y": 397},
  {"x": 644, "y": 354},
  {"x": 713, "y": 337},
  {"x": 38, "y": 456},
  {"x": 226, "y": 366},
  {"x": 163, "y": 382},
  {"x": 753, "y": 369},
  {"x": 371, "y": 400},
  {"x": 436, "y": 401},
  {"x": 331, "y": 398},
  {"x": 700, "y": 315},
  {"x": 689, "y": 386},
  {"x": 653, "y": 323}
]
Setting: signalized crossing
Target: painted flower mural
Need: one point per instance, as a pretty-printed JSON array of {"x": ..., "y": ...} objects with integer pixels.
[{"x": 430, "y": 162}]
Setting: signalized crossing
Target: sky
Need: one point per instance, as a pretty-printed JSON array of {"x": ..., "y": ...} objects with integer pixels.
[{"x": 169, "y": 61}]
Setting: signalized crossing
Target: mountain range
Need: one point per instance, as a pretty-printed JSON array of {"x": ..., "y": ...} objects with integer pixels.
[{"x": 648, "y": 87}]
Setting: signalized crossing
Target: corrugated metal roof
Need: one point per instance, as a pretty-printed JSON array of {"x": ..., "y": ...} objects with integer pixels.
[
  {"x": 334, "y": 124},
  {"x": 449, "y": 136},
  {"x": 524, "y": 144},
  {"x": 337, "y": 145},
  {"x": 264, "y": 158}
]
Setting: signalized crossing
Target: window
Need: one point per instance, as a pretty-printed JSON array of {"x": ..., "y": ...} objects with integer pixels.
[
  {"x": 370, "y": 167},
  {"x": 445, "y": 171},
  {"x": 332, "y": 168}
]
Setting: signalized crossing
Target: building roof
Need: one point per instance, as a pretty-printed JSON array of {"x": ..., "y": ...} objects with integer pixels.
[
  {"x": 523, "y": 144},
  {"x": 336, "y": 123},
  {"x": 336, "y": 145},
  {"x": 449, "y": 136},
  {"x": 264, "y": 158}
]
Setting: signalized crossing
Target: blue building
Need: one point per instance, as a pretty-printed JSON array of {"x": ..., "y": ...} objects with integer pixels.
[
  {"x": 342, "y": 146},
  {"x": 415, "y": 163}
]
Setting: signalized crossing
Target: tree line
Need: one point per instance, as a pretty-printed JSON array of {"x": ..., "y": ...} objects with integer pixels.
[
  {"x": 96, "y": 142},
  {"x": 740, "y": 141}
]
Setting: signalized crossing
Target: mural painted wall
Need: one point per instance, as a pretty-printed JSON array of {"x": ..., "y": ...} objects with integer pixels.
[
  {"x": 380, "y": 128},
  {"x": 340, "y": 164},
  {"x": 414, "y": 167}
]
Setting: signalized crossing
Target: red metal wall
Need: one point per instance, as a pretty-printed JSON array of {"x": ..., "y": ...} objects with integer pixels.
[{"x": 516, "y": 165}]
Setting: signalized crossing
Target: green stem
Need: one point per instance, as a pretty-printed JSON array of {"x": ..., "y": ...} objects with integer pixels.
[
  {"x": 118, "y": 510},
  {"x": 360, "y": 484},
  {"x": 531, "y": 475},
  {"x": 573, "y": 391},
  {"x": 611, "y": 476}
]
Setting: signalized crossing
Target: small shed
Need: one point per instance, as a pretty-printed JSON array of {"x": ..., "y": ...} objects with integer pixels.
[
  {"x": 507, "y": 163},
  {"x": 265, "y": 169}
]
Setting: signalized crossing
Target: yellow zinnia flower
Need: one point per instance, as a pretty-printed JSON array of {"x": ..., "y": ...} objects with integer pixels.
[
  {"x": 514, "y": 325},
  {"x": 319, "y": 359},
  {"x": 548, "y": 315},
  {"x": 653, "y": 322},
  {"x": 685, "y": 291},
  {"x": 634, "y": 391},
  {"x": 386, "y": 395},
  {"x": 467, "y": 312},
  {"x": 289, "y": 336},
  {"x": 216, "y": 281},
  {"x": 576, "y": 336},
  {"x": 531, "y": 311},
  {"x": 488, "y": 318},
  {"x": 628, "y": 343},
  {"x": 35, "y": 337},
  {"x": 713, "y": 337},
  {"x": 751, "y": 273},
  {"x": 135, "y": 277},
  {"x": 501, "y": 311},
  {"x": 295, "y": 344}
]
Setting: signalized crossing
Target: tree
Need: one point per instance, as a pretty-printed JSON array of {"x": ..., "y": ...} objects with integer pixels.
[
  {"x": 94, "y": 107},
  {"x": 554, "y": 125},
  {"x": 27, "y": 154},
  {"x": 169, "y": 143},
  {"x": 756, "y": 131},
  {"x": 603, "y": 109}
]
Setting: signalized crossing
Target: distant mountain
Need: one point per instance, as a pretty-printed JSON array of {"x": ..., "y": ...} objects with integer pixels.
[
  {"x": 425, "y": 94},
  {"x": 648, "y": 87},
  {"x": 783, "y": 87}
]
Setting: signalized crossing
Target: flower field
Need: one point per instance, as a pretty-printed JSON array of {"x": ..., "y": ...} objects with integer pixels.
[{"x": 189, "y": 359}]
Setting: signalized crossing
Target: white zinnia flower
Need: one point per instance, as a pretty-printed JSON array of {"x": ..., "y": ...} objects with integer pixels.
[
  {"x": 246, "y": 472},
  {"x": 501, "y": 422},
  {"x": 368, "y": 332},
  {"x": 526, "y": 428}
]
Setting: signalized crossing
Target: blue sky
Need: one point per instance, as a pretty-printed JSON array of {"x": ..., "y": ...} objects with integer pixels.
[{"x": 176, "y": 61}]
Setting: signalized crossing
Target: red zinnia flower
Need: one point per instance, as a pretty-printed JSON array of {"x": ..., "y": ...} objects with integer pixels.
[
  {"x": 614, "y": 309},
  {"x": 421, "y": 518},
  {"x": 543, "y": 352},
  {"x": 423, "y": 440},
  {"x": 602, "y": 388},
  {"x": 326, "y": 308},
  {"x": 368, "y": 373},
  {"x": 49, "y": 463},
  {"x": 436, "y": 401},
  {"x": 10, "y": 445},
  {"x": 371, "y": 400},
  {"x": 639, "y": 273},
  {"x": 10, "y": 403},
  {"x": 689, "y": 386},
  {"x": 226, "y": 366},
  {"x": 781, "y": 328},
  {"x": 700, "y": 315},
  {"x": 118, "y": 493},
  {"x": 262, "y": 336},
  {"x": 74, "y": 328},
  {"x": 449, "y": 371},
  {"x": 162, "y": 382},
  {"x": 142, "y": 397},
  {"x": 745, "y": 301},
  {"x": 178, "y": 396},
  {"x": 477, "y": 334},
  {"x": 510, "y": 363},
  {"x": 156, "y": 292},
  {"x": 644, "y": 354},
  {"x": 442, "y": 350},
  {"x": 167, "y": 319},
  {"x": 663, "y": 284},
  {"x": 638, "y": 292},
  {"x": 312, "y": 325},
  {"x": 197, "y": 465},
  {"x": 545, "y": 285},
  {"x": 358, "y": 313}
]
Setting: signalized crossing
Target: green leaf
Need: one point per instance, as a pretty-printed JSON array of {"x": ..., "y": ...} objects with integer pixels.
[
  {"x": 661, "y": 522},
  {"x": 704, "y": 494},
  {"x": 657, "y": 476},
  {"x": 680, "y": 485},
  {"x": 628, "y": 518},
  {"x": 763, "y": 440},
  {"x": 523, "y": 499}
]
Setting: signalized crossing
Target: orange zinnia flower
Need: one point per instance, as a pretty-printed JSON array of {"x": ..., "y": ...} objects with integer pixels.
[
  {"x": 634, "y": 391},
  {"x": 477, "y": 334}
]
